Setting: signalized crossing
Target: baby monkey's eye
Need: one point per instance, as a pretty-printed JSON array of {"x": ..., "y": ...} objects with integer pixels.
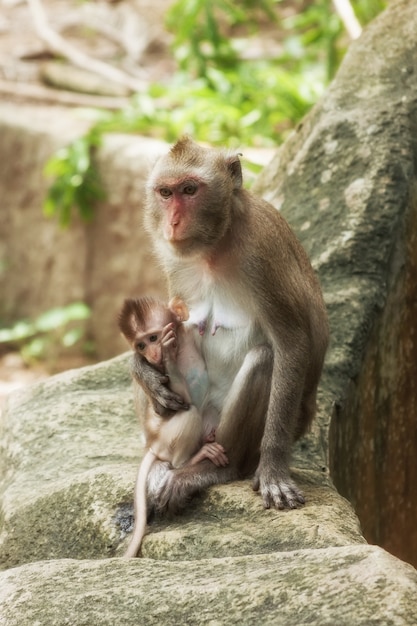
[
  {"x": 153, "y": 338},
  {"x": 140, "y": 346}
]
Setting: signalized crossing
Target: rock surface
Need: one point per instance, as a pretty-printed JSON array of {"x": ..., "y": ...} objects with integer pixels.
[
  {"x": 69, "y": 446},
  {"x": 69, "y": 454},
  {"x": 344, "y": 586}
]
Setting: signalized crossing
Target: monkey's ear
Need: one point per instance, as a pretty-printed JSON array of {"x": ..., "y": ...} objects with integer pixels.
[
  {"x": 179, "y": 308},
  {"x": 235, "y": 168}
]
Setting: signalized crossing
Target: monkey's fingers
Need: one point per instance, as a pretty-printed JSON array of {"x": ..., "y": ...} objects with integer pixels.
[
  {"x": 216, "y": 454},
  {"x": 283, "y": 494},
  {"x": 170, "y": 341},
  {"x": 167, "y": 399},
  {"x": 169, "y": 328}
]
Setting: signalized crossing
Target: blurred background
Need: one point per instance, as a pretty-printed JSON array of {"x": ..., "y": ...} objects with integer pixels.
[{"x": 237, "y": 73}]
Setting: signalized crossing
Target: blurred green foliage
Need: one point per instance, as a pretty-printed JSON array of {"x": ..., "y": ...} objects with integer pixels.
[
  {"x": 43, "y": 337},
  {"x": 227, "y": 90},
  {"x": 76, "y": 182}
]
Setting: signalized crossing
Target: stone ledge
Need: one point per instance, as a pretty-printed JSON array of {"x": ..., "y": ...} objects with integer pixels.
[{"x": 347, "y": 586}]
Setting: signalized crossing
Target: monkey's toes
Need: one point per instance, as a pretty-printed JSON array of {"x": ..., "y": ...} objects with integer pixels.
[{"x": 282, "y": 495}]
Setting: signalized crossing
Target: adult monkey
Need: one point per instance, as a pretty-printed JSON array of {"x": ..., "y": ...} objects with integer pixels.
[{"x": 258, "y": 307}]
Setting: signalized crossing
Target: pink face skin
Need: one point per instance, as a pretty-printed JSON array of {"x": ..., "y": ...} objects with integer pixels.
[
  {"x": 178, "y": 200},
  {"x": 150, "y": 343}
]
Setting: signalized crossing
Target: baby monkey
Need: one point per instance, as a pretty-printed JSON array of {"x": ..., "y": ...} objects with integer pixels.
[{"x": 156, "y": 334}]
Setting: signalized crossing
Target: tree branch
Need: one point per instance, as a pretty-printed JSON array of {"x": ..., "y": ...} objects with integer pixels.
[
  {"x": 345, "y": 11},
  {"x": 57, "y": 44},
  {"x": 28, "y": 91}
]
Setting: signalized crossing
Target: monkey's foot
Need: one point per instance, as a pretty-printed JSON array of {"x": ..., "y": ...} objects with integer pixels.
[
  {"x": 180, "y": 485},
  {"x": 281, "y": 494},
  {"x": 171, "y": 497}
]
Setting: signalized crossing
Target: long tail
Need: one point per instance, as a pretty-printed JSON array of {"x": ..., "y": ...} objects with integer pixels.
[{"x": 140, "y": 505}]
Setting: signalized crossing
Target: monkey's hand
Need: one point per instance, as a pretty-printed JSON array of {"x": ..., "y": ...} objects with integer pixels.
[
  {"x": 155, "y": 386},
  {"x": 169, "y": 343},
  {"x": 277, "y": 489},
  {"x": 212, "y": 451}
]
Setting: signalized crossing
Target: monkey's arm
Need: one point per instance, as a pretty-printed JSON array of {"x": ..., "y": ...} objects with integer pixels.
[
  {"x": 155, "y": 386},
  {"x": 176, "y": 380},
  {"x": 272, "y": 478},
  {"x": 297, "y": 361}
]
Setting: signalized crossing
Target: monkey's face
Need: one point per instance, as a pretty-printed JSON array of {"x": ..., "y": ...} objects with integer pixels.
[
  {"x": 148, "y": 346},
  {"x": 178, "y": 201},
  {"x": 148, "y": 341},
  {"x": 145, "y": 322},
  {"x": 187, "y": 215},
  {"x": 190, "y": 196}
]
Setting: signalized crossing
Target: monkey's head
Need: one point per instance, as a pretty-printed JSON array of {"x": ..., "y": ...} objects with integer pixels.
[
  {"x": 143, "y": 320},
  {"x": 189, "y": 196}
]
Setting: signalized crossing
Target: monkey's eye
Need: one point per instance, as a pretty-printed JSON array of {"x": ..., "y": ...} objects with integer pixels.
[
  {"x": 153, "y": 338},
  {"x": 165, "y": 192},
  {"x": 140, "y": 346},
  {"x": 190, "y": 189}
]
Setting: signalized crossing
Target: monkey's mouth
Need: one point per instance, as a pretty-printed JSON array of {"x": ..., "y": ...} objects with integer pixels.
[
  {"x": 179, "y": 241},
  {"x": 174, "y": 233}
]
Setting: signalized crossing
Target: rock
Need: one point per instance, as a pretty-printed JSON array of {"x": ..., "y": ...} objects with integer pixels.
[
  {"x": 345, "y": 586},
  {"x": 345, "y": 181},
  {"x": 69, "y": 454}
]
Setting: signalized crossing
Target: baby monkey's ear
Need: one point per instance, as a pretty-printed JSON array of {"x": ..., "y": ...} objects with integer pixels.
[{"x": 179, "y": 308}]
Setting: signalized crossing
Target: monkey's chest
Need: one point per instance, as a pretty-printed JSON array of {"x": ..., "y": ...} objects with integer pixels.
[
  {"x": 224, "y": 322},
  {"x": 214, "y": 308},
  {"x": 225, "y": 335},
  {"x": 214, "y": 301}
]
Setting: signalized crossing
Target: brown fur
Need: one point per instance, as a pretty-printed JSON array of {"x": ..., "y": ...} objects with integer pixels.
[
  {"x": 155, "y": 332},
  {"x": 258, "y": 307}
]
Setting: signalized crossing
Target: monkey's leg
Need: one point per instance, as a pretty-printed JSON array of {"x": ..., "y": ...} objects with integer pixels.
[
  {"x": 239, "y": 432},
  {"x": 156, "y": 477}
]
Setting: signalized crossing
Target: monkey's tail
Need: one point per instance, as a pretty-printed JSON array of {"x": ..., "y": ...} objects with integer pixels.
[{"x": 140, "y": 505}]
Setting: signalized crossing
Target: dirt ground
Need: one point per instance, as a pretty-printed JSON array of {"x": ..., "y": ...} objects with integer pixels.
[{"x": 14, "y": 374}]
